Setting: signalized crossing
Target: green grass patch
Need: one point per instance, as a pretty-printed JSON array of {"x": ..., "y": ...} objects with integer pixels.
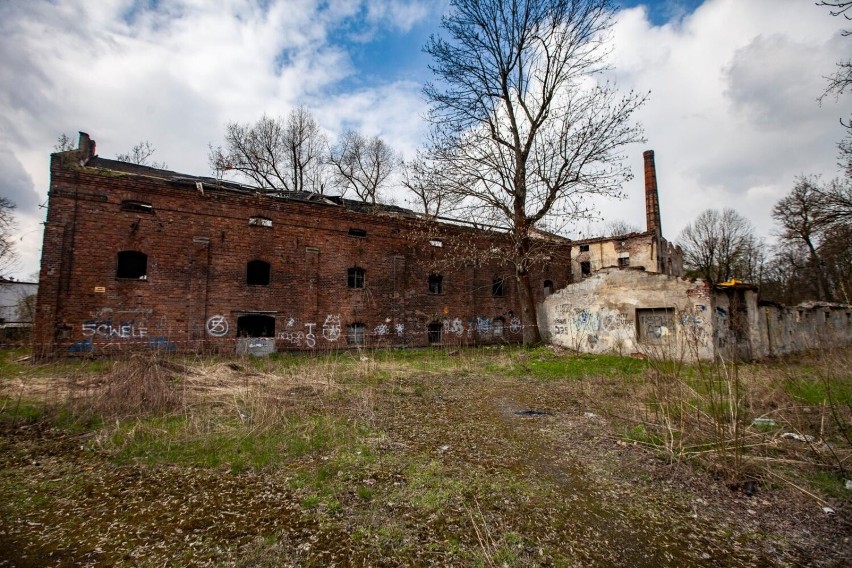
[
  {"x": 545, "y": 365},
  {"x": 178, "y": 440}
]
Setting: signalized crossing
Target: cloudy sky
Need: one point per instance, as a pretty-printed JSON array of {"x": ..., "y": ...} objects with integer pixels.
[{"x": 732, "y": 115}]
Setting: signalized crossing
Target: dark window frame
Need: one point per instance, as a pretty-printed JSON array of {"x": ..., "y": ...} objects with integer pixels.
[
  {"x": 131, "y": 265},
  {"x": 436, "y": 284},
  {"x": 584, "y": 248},
  {"x": 498, "y": 287},
  {"x": 258, "y": 273},
  {"x": 356, "y": 333},
  {"x": 136, "y": 206},
  {"x": 356, "y": 278},
  {"x": 357, "y": 233}
]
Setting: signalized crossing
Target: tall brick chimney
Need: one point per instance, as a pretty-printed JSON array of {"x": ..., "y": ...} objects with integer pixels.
[{"x": 652, "y": 199}]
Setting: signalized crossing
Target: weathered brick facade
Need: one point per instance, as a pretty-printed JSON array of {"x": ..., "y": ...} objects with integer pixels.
[{"x": 191, "y": 292}]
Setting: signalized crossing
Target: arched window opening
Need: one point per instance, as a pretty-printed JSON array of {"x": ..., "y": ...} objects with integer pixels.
[
  {"x": 256, "y": 325},
  {"x": 132, "y": 265},
  {"x": 257, "y": 273},
  {"x": 355, "y": 277},
  {"x": 436, "y": 284},
  {"x": 548, "y": 287}
]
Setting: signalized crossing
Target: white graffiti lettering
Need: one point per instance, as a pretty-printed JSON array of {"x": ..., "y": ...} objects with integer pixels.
[{"x": 122, "y": 331}]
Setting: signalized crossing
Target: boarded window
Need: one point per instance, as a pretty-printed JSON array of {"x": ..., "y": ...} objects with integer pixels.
[
  {"x": 360, "y": 233},
  {"x": 355, "y": 277},
  {"x": 434, "y": 331},
  {"x": 584, "y": 248},
  {"x": 498, "y": 287},
  {"x": 256, "y": 325},
  {"x": 260, "y": 222},
  {"x": 548, "y": 287},
  {"x": 436, "y": 284},
  {"x": 655, "y": 325},
  {"x": 137, "y": 206},
  {"x": 132, "y": 264},
  {"x": 497, "y": 327},
  {"x": 257, "y": 273},
  {"x": 586, "y": 268},
  {"x": 356, "y": 334}
]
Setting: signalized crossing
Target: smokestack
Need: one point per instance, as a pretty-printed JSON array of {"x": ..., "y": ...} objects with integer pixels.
[{"x": 652, "y": 199}]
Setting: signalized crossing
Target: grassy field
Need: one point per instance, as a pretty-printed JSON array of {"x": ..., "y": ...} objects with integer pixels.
[{"x": 488, "y": 457}]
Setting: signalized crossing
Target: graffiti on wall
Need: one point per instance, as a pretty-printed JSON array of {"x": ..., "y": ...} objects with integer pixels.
[
  {"x": 217, "y": 326},
  {"x": 106, "y": 329}
]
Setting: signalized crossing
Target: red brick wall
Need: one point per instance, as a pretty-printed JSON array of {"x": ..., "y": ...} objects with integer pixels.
[{"x": 198, "y": 246}]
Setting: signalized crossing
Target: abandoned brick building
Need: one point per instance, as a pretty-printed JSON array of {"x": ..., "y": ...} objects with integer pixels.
[{"x": 135, "y": 256}]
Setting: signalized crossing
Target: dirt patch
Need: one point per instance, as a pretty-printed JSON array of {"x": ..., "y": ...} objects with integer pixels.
[{"x": 434, "y": 468}]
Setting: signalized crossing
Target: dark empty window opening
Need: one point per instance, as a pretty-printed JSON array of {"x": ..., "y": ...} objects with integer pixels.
[
  {"x": 355, "y": 278},
  {"x": 360, "y": 233},
  {"x": 436, "y": 284},
  {"x": 132, "y": 265},
  {"x": 548, "y": 287},
  {"x": 498, "y": 287},
  {"x": 257, "y": 273},
  {"x": 586, "y": 268},
  {"x": 356, "y": 334},
  {"x": 584, "y": 248},
  {"x": 137, "y": 206},
  {"x": 624, "y": 262},
  {"x": 256, "y": 325},
  {"x": 434, "y": 332},
  {"x": 260, "y": 222}
]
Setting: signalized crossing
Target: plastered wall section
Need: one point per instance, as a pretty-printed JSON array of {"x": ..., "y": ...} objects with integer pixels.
[{"x": 626, "y": 311}]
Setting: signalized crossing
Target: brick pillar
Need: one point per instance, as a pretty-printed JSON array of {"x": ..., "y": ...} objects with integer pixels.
[{"x": 652, "y": 199}]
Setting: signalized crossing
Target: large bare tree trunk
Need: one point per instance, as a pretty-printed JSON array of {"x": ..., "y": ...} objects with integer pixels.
[{"x": 529, "y": 317}]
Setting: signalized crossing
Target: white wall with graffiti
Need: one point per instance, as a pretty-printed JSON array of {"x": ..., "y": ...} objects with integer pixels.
[{"x": 631, "y": 311}]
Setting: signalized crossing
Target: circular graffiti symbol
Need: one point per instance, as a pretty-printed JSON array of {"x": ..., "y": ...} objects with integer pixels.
[{"x": 217, "y": 326}]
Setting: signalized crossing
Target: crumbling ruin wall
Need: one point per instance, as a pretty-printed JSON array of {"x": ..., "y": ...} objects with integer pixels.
[
  {"x": 627, "y": 311},
  {"x": 631, "y": 311},
  {"x": 811, "y": 325}
]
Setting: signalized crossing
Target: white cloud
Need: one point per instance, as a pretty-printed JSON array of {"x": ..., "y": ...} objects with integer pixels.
[
  {"x": 732, "y": 115},
  {"x": 733, "y": 111}
]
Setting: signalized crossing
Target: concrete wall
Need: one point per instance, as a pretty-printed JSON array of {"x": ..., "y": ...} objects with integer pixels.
[
  {"x": 625, "y": 311},
  {"x": 629, "y": 311}
]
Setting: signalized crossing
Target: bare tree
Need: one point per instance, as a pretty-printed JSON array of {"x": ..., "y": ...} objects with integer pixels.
[
  {"x": 431, "y": 197},
  {"x": 362, "y": 164},
  {"x": 717, "y": 245},
  {"x": 276, "y": 154},
  {"x": 522, "y": 131},
  {"x": 141, "y": 154},
  {"x": 818, "y": 217},
  {"x": 8, "y": 254},
  {"x": 620, "y": 227},
  {"x": 64, "y": 143},
  {"x": 840, "y": 82}
]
